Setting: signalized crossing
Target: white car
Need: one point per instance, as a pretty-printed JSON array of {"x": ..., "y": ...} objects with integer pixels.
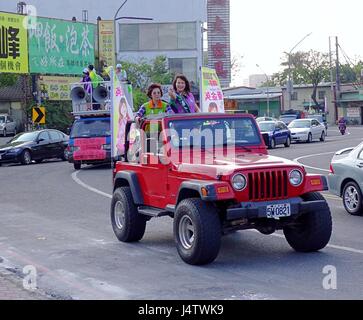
[
  {"x": 307, "y": 130},
  {"x": 7, "y": 125}
]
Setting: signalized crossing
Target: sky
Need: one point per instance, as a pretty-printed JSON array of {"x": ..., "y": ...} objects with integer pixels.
[{"x": 262, "y": 30}]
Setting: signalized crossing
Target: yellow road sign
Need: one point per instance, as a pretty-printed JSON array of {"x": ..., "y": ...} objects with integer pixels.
[{"x": 39, "y": 115}]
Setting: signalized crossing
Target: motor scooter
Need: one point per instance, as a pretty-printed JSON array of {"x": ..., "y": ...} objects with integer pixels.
[{"x": 342, "y": 128}]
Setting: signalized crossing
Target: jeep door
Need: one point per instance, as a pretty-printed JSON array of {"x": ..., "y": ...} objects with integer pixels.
[{"x": 153, "y": 171}]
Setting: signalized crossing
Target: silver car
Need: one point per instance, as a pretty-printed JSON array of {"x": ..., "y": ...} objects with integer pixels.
[
  {"x": 7, "y": 125},
  {"x": 307, "y": 130},
  {"x": 346, "y": 178}
]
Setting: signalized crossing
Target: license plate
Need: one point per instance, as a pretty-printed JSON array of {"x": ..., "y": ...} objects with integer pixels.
[{"x": 278, "y": 210}]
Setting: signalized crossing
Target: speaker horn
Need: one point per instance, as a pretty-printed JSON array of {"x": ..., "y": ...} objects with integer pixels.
[
  {"x": 78, "y": 94},
  {"x": 100, "y": 94}
]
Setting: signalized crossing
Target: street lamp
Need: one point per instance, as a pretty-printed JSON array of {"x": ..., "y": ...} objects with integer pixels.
[
  {"x": 289, "y": 83},
  {"x": 115, "y": 18},
  {"x": 268, "y": 93}
]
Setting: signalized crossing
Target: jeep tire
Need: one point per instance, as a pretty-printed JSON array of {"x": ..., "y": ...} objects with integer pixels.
[
  {"x": 197, "y": 231},
  {"x": 127, "y": 223},
  {"x": 313, "y": 229}
]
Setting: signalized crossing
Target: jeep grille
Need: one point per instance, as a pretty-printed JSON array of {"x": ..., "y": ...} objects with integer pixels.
[{"x": 267, "y": 185}]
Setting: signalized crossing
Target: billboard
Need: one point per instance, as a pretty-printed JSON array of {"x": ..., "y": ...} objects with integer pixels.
[
  {"x": 56, "y": 88},
  {"x": 13, "y": 44},
  {"x": 106, "y": 42},
  {"x": 61, "y": 47},
  {"x": 212, "y": 95},
  {"x": 219, "y": 48}
]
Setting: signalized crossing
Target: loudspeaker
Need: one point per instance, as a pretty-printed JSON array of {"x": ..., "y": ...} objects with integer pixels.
[
  {"x": 101, "y": 94},
  {"x": 78, "y": 94}
]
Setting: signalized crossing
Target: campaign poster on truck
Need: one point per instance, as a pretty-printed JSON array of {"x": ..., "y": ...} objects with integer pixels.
[
  {"x": 121, "y": 113},
  {"x": 212, "y": 95}
]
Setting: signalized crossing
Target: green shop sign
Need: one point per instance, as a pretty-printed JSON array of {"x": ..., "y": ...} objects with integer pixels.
[{"x": 61, "y": 47}]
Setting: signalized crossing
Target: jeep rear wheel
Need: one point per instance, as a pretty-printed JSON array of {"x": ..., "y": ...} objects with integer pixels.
[
  {"x": 312, "y": 230},
  {"x": 197, "y": 231},
  {"x": 127, "y": 223}
]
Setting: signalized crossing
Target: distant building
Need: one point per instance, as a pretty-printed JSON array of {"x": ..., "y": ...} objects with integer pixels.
[{"x": 256, "y": 80}]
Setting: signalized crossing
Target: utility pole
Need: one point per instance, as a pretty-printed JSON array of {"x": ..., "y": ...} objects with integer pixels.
[{"x": 337, "y": 86}]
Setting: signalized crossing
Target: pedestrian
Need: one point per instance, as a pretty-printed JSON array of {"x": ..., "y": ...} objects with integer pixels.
[
  {"x": 155, "y": 105},
  {"x": 120, "y": 73},
  {"x": 87, "y": 86},
  {"x": 181, "y": 98},
  {"x": 95, "y": 80}
]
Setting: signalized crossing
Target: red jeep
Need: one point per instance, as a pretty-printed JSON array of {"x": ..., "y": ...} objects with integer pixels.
[{"x": 212, "y": 174}]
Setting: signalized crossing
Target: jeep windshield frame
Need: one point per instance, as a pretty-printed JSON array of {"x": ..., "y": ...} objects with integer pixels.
[{"x": 212, "y": 132}]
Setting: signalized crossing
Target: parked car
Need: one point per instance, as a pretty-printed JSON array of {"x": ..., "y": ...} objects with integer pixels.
[
  {"x": 346, "y": 178},
  {"x": 278, "y": 133},
  {"x": 36, "y": 145},
  {"x": 307, "y": 130},
  {"x": 287, "y": 118},
  {"x": 321, "y": 117},
  {"x": 259, "y": 119},
  {"x": 7, "y": 125}
]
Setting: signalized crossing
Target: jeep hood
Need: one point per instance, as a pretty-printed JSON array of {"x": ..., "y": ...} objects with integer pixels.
[{"x": 227, "y": 166}]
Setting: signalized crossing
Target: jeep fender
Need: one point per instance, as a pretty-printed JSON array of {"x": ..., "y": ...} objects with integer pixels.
[
  {"x": 207, "y": 190},
  {"x": 129, "y": 178}
]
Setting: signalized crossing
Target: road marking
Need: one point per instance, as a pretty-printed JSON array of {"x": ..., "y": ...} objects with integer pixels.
[
  {"x": 333, "y": 246},
  {"x": 313, "y": 155},
  {"x": 84, "y": 185}
]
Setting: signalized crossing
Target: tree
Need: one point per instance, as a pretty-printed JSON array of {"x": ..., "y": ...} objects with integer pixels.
[
  {"x": 142, "y": 73},
  {"x": 310, "y": 67},
  {"x": 8, "y": 79}
]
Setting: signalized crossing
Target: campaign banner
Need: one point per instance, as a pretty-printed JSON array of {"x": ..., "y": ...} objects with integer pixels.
[
  {"x": 60, "y": 46},
  {"x": 56, "y": 88},
  {"x": 13, "y": 44},
  {"x": 121, "y": 113},
  {"x": 106, "y": 42},
  {"x": 212, "y": 95}
]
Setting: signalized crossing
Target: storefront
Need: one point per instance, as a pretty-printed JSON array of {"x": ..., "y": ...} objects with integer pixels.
[{"x": 350, "y": 106}]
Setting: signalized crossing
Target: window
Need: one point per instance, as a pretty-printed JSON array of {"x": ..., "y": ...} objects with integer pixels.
[
  {"x": 294, "y": 96},
  {"x": 158, "y": 36},
  {"x": 321, "y": 95},
  {"x": 54, "y": 136},
  {"x": 187, "y": 66},
  {"x": 129, "y": 37},
  {"x": 168, "y": 37},
  {"x": 44, "y": 135},
  {"x": 186, "y": 36},
  {"x": 149, "y": 37}
]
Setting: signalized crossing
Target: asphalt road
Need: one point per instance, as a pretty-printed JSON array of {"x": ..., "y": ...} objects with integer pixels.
[{"x": 57, "y": 220}]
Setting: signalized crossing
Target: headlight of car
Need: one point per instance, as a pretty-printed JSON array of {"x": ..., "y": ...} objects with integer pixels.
[
  {"x": 296, "y": 177},
  {"x": 239, "y": 182},
  {"x": 15, "y": 150},
  {"x": 73, "y": 148}
]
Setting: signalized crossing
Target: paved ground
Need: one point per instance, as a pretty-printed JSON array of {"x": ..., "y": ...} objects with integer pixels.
[{"x": 58, "y": 221}]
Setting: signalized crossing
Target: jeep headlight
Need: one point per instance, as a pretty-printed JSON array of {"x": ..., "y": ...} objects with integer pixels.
[
  {"x": 295, "y": 177},
  {"x": 239, "y": 182}
]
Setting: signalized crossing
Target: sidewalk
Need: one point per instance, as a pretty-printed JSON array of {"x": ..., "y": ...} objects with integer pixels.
[{"x": 11, "y": 288}]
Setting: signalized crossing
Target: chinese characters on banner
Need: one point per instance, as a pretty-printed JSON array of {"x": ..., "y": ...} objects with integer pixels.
[
  {"x": 219, "y": 54},
  {"x": 212, "y": 99},
  {"x": 13, "y": 44},
  {"x": 56, "y": 88},
  {"x": 61, "y": 47},
  {"x": 106, "y": 40}
]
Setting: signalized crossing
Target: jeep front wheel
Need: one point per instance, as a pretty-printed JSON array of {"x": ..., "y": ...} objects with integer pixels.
[
  {"x": 197, "y": 231},
  {"x": 312, "y": 230},
  {"x": 127, "y": 223}
]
